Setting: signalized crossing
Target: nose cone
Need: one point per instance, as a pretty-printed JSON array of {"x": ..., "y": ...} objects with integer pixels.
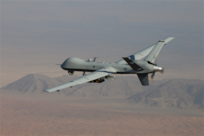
[
  {"x": 71, "y": 63},
  {"x": 63, "y": 64}
]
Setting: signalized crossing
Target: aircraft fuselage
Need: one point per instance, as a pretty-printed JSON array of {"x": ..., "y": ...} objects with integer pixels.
[{"x": 76, "y": 64}]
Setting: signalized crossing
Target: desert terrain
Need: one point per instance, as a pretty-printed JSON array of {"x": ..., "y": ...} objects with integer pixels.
[
  {"x": 45, "y": 117},
  {"x": 120, "y": 107}
]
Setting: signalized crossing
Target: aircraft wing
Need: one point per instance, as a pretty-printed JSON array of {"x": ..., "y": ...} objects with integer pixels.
[
  {"x": 143, "y": 53},
  {"x": 86, "y": 78}
]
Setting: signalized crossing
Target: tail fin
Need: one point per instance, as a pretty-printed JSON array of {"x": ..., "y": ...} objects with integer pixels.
[
  {"x": 143, "y": 79},
  {"x": 157, "y": 48}
]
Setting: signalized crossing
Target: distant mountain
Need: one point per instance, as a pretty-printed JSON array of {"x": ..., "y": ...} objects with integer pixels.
[
  {"x": 172, "y": 93},
  {"x": 36, "y": 83},
  {"x": 178, "y": 93}
]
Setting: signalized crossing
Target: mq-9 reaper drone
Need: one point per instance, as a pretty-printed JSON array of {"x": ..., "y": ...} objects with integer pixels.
[{"x": 141, "y": 63}]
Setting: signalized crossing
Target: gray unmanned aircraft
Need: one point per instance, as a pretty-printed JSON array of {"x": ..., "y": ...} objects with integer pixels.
[{"x": 141, "y": 63}]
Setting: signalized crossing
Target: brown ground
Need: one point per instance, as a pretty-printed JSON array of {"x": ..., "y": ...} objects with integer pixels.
[{"x": 24, "y": 117}]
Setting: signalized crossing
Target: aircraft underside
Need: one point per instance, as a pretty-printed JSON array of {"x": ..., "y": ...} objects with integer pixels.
[{"x": 71, "y": 71}]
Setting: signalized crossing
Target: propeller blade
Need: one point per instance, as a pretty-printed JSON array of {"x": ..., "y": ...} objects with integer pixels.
[{"x": 152, "y": 76}]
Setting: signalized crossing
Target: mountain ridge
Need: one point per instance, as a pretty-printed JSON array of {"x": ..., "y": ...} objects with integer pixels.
[{"x": 179, "y": 93}]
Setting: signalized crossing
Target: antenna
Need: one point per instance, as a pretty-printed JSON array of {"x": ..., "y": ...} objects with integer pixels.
[{"x": 95, "y": 58}]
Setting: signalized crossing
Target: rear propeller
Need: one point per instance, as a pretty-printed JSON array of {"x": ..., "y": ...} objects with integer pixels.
[
  {"x": 153, "y": 74},
  {"x": 156, "y": 69}
]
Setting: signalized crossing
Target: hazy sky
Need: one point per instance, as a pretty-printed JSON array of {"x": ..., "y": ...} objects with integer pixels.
[{"x": 35, "y": 35}]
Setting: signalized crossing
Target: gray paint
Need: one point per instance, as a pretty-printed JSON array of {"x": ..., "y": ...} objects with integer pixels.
[
  {"x": 121, "y": 66},
  {"x": 103, "y": 69}
]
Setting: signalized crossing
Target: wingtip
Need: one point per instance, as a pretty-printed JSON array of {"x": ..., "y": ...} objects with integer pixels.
[
  {"x": 45, "y": 91},
  {"x": 168, "y": 39},
  {"x": 171, "y": 37}
]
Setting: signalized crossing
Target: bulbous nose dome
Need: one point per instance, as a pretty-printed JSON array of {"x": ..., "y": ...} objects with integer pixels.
[
  {"x": 72, "y": 62},
  {"x": 75, "y": 60}
]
